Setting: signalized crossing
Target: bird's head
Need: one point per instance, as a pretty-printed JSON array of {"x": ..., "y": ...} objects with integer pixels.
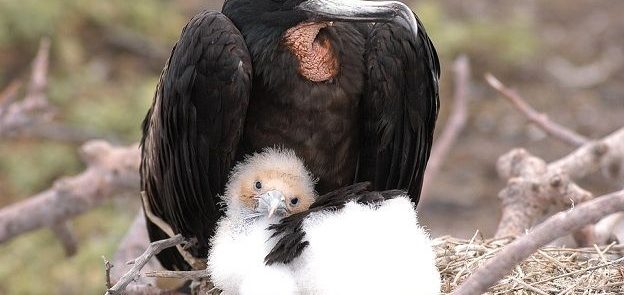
[
  {"x": 285, "y": 14},
  {"x": 271, "y": 183}
]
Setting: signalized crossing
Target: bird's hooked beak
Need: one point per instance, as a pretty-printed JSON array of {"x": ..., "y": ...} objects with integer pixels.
[
  {"x": 360, "y": 11},
  {"x": 272, "y": 202}
]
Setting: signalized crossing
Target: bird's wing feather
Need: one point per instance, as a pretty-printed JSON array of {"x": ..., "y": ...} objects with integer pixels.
[
  {"x": 399, "y": 108},
  {"x": 192, "y": 131},
  {"x": 290, "y": 229}
]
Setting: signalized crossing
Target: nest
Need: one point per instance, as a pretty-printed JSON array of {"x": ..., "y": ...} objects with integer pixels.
[{"x": 598, "y": 270}]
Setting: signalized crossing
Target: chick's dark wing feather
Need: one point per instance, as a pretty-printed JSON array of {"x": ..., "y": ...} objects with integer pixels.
[{"x": 290, "y": 232}]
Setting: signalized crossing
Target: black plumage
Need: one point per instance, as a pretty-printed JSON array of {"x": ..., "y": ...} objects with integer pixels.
[{"x": 232, "y": 87}]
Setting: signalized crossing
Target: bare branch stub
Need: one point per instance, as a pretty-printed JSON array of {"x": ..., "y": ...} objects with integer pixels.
[
  {"x": 554, "y": 227},
  {"x": 454, "y": 125},
  {"x": 107, "y": 272},
  {"x": 64, "y": 233},
  {"x": 541, "y": 120}
]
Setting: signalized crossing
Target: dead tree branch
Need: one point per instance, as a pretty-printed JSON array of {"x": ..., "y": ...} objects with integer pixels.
[
  {"x": 540, "y": 119},
  {"x": 34, "y": 108},
  {"x": 543, "y": 185},
  {"x": 134, "y": 245},
  {"x": 554, "y": 227},
  {"x": 454, "y": 125},
  {"x": 32, "y": 116},
  {"x": 153, "y": 249},
  {"x": 110, "y": 171},
  {"x": 534, "y": 186}
]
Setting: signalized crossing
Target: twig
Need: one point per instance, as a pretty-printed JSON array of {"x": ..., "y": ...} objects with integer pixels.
[
  {"x": 63, "y": 233},
  {"x": 528, "y": 287},
  {"x": 134, "y": 243},
  {"x": 554, "y": 129},
  {"x": 454, "y": 125},
  {"x": 185, "y": 275},
  {"x": 153, "y": 249},
  {"x": 107, "y": 270},
  {"x": 554, "y": 227},
  {"x": 110, "y": 172}
]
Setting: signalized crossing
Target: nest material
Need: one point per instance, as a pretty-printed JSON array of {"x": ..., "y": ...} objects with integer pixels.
[{"x": 598, "y": 270}]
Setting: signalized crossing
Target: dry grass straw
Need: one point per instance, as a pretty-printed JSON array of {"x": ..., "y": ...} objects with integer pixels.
[{"x": 556, "y": 271}]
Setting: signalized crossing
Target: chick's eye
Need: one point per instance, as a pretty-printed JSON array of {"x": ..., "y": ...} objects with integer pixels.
[
  {"x": 294, "y": 201},
  {"x": 258, "y": 185}
]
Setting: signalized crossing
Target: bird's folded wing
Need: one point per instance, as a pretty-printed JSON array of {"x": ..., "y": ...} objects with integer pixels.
[
  {"x": 399, "y": 107},
  {"x": 192, "y": 130}
]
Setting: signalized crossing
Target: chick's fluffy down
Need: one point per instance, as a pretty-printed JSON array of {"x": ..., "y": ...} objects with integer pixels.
[
  {"x": 359, "y": 249},
  {"x": 236, "y": 260},
  {"x": 365, "y": 250}
]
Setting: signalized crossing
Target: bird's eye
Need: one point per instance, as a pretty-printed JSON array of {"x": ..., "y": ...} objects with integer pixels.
[
  {"x": 258, "y": 185},
  {"x": 294, "y": 201}
]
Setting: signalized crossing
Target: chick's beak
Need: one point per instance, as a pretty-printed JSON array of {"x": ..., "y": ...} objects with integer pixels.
[{"x": 273, "y": 202}]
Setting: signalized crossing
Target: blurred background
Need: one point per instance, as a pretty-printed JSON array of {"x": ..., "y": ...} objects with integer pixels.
[{"x": 565, "y": 56}]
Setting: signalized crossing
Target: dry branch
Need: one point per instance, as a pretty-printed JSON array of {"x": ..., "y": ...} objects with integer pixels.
[
  {"x": 540, "y": 119},
  {"x": 454, "y": 125},
  {"x": 32, "y": 116},
  {"x": 110, "y": 171},
  {"x": 34, "y": 108},
  {"x": 185, "y": 275},
  {"x": 533, "y": 186},
  {"x": 554, "y": 227},
  {"x": 133, "y": 245},
  {"x": 138, "y": 263}
]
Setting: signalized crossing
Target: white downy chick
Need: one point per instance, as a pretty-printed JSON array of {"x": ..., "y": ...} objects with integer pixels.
[
  {"x": 262, "y": 189},
  {"x": 350, "y": 241}
]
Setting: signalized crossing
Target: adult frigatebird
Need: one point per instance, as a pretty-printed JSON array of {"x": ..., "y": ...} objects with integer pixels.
[{"x": 351, "y": 86}]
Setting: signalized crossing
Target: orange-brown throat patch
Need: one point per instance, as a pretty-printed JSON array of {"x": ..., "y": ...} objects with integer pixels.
[{"x": 317, "y": 60}]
